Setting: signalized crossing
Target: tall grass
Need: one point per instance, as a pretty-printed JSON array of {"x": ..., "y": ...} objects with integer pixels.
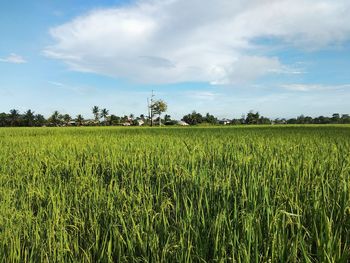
[{"x": 252, "y": 194}]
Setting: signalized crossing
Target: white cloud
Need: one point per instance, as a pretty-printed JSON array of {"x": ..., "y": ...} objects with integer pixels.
[
  {"x": 314, "y": 87},
  {"x": 14, "y": 58},
  {"x": 171, "y": 41},
  {"x": 57, "y": 84},
  {"x": 247, "y": 68},
  {"x": 203, "y": 95}
]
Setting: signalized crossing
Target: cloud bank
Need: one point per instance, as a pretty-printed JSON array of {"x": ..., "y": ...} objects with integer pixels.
[{"x": 171, "y": 41}]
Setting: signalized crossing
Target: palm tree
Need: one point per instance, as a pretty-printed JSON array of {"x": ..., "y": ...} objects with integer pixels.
[
  {"x": 96, "y": 112},
  {"x": 29, "y": 118},
  {"x": 39, "y": 120},
  {"x": 104, "y": 115},
  {"x": 14, "y": 117},
  {"x": 79, "y": 120},
  {"x": 67, "y": 118},
  {"x": 61, "y": 118},
  {"x": 55, "y": 118}
]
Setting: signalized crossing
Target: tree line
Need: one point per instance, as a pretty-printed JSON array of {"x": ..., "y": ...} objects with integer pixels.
[
  {"x": 251, "y": 117},
  {"x": 102, "y": 117}
]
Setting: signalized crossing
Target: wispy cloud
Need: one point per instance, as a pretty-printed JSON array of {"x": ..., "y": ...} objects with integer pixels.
[
  {"x": 5, "y": 92},
  {"x": 13, "y": 58},
  {"x": 57, "y": 84},
  {"x": 314, "y": 87},
  {"x": 203, "y": 95},
  {"x": 58, "y": 13},
  {"x": 187, "y": 40},
  {"x": 82, "y": 90}
]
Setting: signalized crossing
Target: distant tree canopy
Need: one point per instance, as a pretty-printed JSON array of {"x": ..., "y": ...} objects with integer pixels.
[
  {"x": 193, "y": 118},
  {"x": 255, "y": 118},
  {"x": 27, "y": 119},
  {"x": 14, "y": 118},
  {"x": 157, "y": 108},
  {"x": 96, "y": 113}
]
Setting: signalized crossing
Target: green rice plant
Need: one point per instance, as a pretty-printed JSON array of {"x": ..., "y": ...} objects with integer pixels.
[{"x": 180, "y": 194}]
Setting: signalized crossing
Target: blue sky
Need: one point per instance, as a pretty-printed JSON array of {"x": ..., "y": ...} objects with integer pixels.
[{"x": 281, "y": 58}]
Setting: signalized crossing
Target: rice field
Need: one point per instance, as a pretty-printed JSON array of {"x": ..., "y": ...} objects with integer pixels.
[{"x": 215, "y": 194}]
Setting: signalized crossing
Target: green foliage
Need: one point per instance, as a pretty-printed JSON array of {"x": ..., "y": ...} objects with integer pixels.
[
  {"x": 193, "y": 118},
  {"x": 79, "y": 120},
  {"x": 55, "y": 119},
  {"x": 104, "y": 114},
  {"x": 96, "y": 113},
  {"x": 210, "y": 119},
  {"x": 235, "y": 194},
  {"x": 157, "y": 108},
  {"x": 28, "y": 119},
  {"x": 66, "y": 118},
  {"x": 252, "y": 118},
  {"x": 167, "y": 118}
]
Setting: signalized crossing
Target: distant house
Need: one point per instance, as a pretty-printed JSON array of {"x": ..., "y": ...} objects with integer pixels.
[
  {"x": 90, "y": 123},
  {"x": 279, "y": 121},
  {"x": 140, "y": 122},
  {"x": 224, "y": 121},
  {"x": 182, "y": 123}
]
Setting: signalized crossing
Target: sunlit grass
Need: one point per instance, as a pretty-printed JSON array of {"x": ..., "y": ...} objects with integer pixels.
[{"x": 245, "y": 194}]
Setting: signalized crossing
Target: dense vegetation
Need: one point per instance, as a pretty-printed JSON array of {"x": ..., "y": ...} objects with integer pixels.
[
  {"x": 102, "y": 117},
  {"x": 229, "y": 194}
]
